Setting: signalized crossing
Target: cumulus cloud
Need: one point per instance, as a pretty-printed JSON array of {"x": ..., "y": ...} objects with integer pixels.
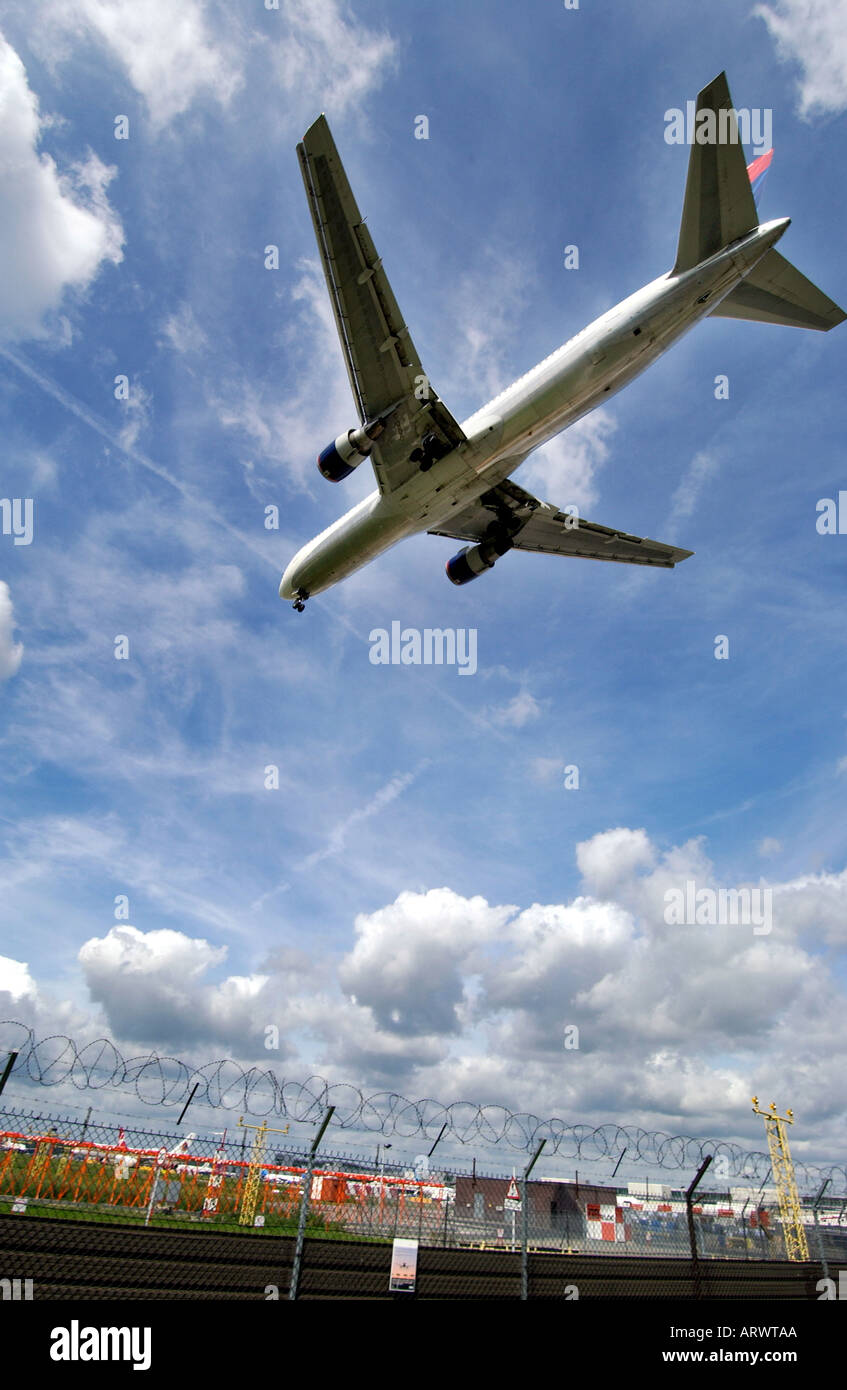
[
  {"x": 149, "y": 984},
  {"x": 813, "y": 34},
  {"x": 56, "y": 230},
  {"x": 407, "y": 963},
  {"x": 814, "y": 907},
  {"x": 456, "y": 997},
  {"x": 613, "y": 856},
  {"x": 15, "y": 979},
  {"x": 11, "y": 652}
]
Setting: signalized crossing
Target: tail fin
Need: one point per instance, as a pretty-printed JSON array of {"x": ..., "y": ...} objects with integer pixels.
[
  {"x": 719, "y": 204},
  {"x": 719, "y": 207}
]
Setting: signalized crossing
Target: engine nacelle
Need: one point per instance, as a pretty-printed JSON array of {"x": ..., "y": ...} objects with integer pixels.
[
  {"x": 474, "y": 560},
  {"x": 338, "y": 460}
]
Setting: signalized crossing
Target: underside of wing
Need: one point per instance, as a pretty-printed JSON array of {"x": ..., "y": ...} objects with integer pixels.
[
  {"x": 508, "y": 517},
  {"x": 384, "y": 369}
]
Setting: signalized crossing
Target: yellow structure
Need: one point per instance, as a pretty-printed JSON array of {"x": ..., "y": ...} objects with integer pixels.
[
  {"x": 250, "y": 1198},
  {"x": 783, "y": 1172}
]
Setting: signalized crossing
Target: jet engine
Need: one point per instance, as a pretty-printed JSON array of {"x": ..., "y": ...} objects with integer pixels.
[
  {"x": 338, "y": 460},
  {"x": 473, "y": 560}
]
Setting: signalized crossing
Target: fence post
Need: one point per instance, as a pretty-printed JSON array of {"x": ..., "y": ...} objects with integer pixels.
[
  {"x": 525, "y": 1222},
  {"x": 692, "y": 1233},
  {"x": 304, "y": 1206},
  {"x": 7, "y": 1070},
  {"x": 159, "y": 1160},
  {"x": 821, "y": 1254}
]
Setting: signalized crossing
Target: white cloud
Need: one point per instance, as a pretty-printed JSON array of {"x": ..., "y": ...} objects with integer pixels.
[
  {"x": 136, "y": 412},
  {"x": 769, "y": 848},
  {"x": 812, "y": 33},
  {"x": 613, "y": 856},
  {"x": 183, "y": 332},
  {"x": 15, "y": 979},
  {"x": 483, "y": 325},
  {"x": 814, "y": 906},
  {"x": 454, "y": 997},
  {"x": 11, "y": 652},
  {"x": 520, "y": 710},
  {"x": 407, "y": 963},
  {"x": 328, "y": 59},
  {"x": 167, "y": 50},
  {"x": 563, "y": 471},
  {"x": 290, "y": 428},
  {"x": 546, "y": 769},
  {"x": 151, "y": 986},
  {"x": 56, "y": 230},
  {"x": 702, "y": 468}
]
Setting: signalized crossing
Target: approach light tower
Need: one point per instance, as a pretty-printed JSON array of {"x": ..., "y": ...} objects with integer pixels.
[
  {"x": 793, "y": 1230},
  {"x": 250, "y": 1197}
]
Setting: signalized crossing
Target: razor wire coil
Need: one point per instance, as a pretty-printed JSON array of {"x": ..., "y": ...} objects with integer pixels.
[{"x": 226, "y": 1085}]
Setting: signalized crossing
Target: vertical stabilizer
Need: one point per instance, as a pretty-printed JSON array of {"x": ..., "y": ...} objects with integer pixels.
[{"x": 719, "y": 205}]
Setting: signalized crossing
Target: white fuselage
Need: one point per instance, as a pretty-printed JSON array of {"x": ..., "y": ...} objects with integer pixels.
[{"x": 570, "y": 382}]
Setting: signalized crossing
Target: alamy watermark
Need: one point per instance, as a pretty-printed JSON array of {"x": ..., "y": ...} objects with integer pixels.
[
  {"x": 691, "y": 906},
  {"x": 706, "y": 127},
  {"x": 429, "y": 646},
  {"x": 16, "y": 513},
  {"x": 16, "y": 1289}
]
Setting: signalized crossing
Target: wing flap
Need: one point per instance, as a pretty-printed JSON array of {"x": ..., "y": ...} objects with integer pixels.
[{"x": 540, "y": 527}]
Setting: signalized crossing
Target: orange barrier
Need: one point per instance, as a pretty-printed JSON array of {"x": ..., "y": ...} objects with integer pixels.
[{"x": 50, "y": 1169}]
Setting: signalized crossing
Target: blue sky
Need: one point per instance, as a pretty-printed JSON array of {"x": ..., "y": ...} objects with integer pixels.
[{"x": 420, "y": 905}]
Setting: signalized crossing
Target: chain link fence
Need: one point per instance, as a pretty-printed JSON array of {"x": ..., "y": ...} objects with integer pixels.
[{"x": 253, "y": 1185}]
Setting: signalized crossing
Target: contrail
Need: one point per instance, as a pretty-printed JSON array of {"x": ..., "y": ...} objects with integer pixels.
[
  {"x": 94, "y": 422},
  {"x": 82, "y": 412}
]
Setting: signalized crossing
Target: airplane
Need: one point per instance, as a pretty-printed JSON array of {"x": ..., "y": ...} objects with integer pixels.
[{"x": 449, "y": 479}]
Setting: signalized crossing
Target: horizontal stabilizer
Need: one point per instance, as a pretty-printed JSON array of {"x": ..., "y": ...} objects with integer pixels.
[{"x": 776, "y": 292}]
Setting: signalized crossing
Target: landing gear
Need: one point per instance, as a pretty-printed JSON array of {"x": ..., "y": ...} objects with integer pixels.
[
  {"x": 430, "y": 451},
  {"x": 300, "y": 602}
]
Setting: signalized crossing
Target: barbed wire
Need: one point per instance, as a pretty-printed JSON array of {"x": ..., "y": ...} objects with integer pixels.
[{"x": 225, "y": 1085}]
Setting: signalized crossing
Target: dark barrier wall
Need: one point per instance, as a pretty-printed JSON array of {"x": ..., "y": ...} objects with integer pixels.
[{"x": 90, "y": 1260}]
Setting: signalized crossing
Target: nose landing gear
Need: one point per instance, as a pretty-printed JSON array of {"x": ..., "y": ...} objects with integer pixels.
[{"x": 300, "y": 602}]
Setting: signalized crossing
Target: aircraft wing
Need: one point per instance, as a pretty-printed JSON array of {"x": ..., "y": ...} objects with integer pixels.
[
  {"x": 382, "y": 363},
  {"x": 538, "y": 526}
]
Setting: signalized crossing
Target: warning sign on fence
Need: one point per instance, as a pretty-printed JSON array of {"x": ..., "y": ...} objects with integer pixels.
[{"x": 404, "y": 1266}]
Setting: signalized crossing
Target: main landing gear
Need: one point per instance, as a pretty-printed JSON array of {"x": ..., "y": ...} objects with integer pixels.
[{"x": 430, "y": 451}]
